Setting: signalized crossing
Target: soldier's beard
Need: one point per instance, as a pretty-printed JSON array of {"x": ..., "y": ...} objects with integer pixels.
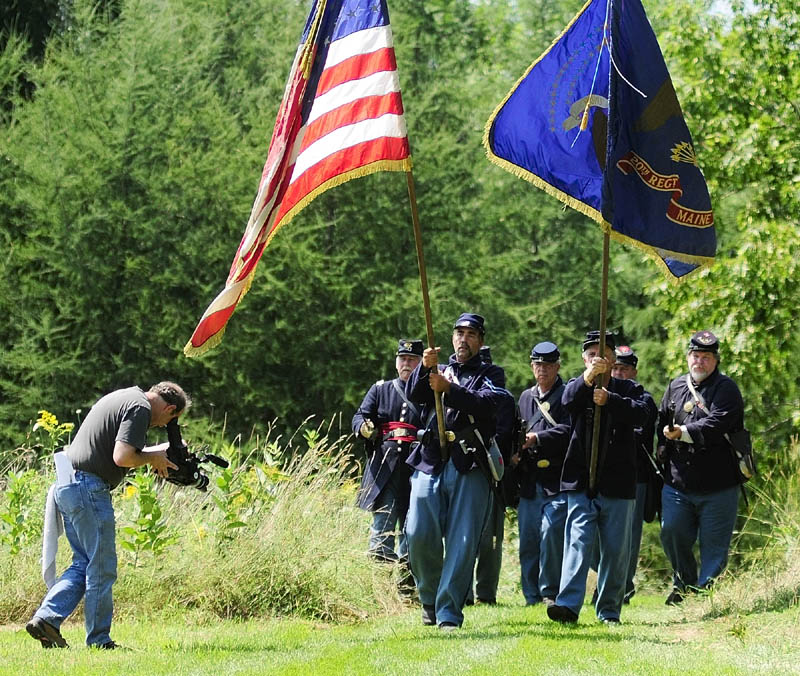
[
  {"x": 698, "y": 375},
  {"x": 464, "y": 353}
]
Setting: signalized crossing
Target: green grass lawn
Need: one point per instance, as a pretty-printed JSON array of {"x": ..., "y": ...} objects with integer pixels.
[{"x": 504, "y": 639}]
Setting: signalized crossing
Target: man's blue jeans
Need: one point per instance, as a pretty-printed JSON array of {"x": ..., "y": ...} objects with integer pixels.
[
  {"x": 444, "y": 525},
  {"x": 541, "y": 544},
  {"x": 390, "y": 511},
  {"x": 685, "y": 517},
  {"x": 89, "y": 527},
  {"x": 607, "y": 520}
]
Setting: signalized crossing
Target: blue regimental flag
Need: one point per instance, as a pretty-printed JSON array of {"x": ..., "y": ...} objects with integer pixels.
[{"x": 595, "y": 122}]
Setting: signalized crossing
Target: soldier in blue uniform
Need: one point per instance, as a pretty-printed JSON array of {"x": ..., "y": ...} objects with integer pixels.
[
  {"x": 388, "y": 422},
  {"x": 542, "y": 510},
  {"x": 450, "y": 489},
  {"x": 626, "y": 368},
  {"x": 701, "y": 491},
  {"x": 605, "y": 513}
]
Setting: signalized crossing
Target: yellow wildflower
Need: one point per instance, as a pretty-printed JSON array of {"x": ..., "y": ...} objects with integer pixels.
[{"x": 46, "y": 420}]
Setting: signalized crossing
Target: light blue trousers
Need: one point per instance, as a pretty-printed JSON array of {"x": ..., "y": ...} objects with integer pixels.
[
  {"x": 541, "y": 521},
  {"x": 443, "y": 530},
  {"x": 608, "y": 520},
  {"x": 636, "y": 536},
  {"x": 490, "y": 553},
  {"x": 687, "y": 517},
  {"x": 389, "y": 516}
]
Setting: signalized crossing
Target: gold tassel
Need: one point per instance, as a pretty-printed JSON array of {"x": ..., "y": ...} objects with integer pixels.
[
  {"x": 585, "y": 118},
  {"x": 703, "y": 262}
]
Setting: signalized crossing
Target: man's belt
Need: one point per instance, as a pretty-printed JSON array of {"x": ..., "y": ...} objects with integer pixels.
[{"x": 398, "y": 431}]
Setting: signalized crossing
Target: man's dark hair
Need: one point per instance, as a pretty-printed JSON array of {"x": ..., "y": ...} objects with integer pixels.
[{"x": 173, "y": 394}]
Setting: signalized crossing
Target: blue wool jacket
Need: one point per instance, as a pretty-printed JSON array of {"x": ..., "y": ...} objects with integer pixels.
[
  {"x": 383, "y": 404},
  {"x": 477, "y": 389},
  {"x": 552, "y": 440},
  {"x": 625, "y": 410},
  {"x": 706, "y": 465}
]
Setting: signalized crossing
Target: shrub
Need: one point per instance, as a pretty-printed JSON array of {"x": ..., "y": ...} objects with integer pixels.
[{"x": 278, "y": 533}]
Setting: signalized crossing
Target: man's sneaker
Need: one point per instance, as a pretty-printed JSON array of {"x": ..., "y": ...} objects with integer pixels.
[
  {"x": 45, "y": 633},
  {"x": 111, "y": 645},
  {"x": 428, "y": 615},
  {"x": 549, "y": 601},
  {"x": 448, "y": 626},
  {"x": 486, "y": 602},
  {"x": 561, "y": 614},
  {"x": 675, "y": 598},
  {"x": 611, "y": 621}
]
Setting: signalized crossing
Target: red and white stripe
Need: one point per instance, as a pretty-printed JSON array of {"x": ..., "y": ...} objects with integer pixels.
[
  {"x": 356, "y": 118},
  {"x": 355, "y": 122}
]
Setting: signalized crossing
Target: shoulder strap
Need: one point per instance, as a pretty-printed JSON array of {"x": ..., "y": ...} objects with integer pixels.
[
  {"x": 449, "y": 373},
  {"x": 402, "y": 394},
  {"x": 698, "y": 399},
  {"x": 480, "y": 374},
  {"x": 545, "y": 411}
]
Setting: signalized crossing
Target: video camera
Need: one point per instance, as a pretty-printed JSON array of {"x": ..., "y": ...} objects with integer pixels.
[{"x": 188, "y": 472}]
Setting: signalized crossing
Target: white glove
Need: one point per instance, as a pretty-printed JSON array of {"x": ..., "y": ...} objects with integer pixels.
[{"x": 367, "y": 429}]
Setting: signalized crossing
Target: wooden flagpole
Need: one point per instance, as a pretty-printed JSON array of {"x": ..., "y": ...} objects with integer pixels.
[
  {"x": 426, "y": 304},
  {"x": 602, "y": 352}
]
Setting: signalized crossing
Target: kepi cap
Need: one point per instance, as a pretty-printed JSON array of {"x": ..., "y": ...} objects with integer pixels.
[
  {"x": 471, "y": 321},
  {"x": 703, "y": 341},
  {"x": 409, "y": 346},
  {"x": 593, "y": 338},
  {"x": 545, "y": 352},
  {"x": 624, "y": 354}
]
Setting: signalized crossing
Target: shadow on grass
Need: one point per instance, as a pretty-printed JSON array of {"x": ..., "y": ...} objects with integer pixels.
[
  {"x": 515, "y": 630},
  {"x": 218, "y": 645}
]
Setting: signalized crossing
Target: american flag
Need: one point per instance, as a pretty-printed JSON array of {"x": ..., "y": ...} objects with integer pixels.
[{"x": 341, "y": 117}]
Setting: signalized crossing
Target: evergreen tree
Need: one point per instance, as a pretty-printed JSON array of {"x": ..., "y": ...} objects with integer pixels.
[{"x": 127, "y": 178}]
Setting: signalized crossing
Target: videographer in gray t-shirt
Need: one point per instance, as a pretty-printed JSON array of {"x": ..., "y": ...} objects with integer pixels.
[{"x": 110, "y": 441}]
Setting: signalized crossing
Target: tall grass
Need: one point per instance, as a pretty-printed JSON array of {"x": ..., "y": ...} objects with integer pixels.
[
  {"x": 275, "y": 534},
  {"x": 764, "y": 573},
  {"x": 278, "y": 533}
]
